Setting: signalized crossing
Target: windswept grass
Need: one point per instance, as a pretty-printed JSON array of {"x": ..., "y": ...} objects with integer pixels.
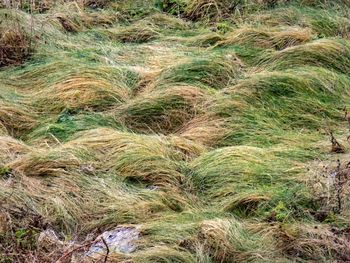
[
  {"x": 197, "y": 123},
  {"x": 163, "y": 111},
  {"x": 245, "y": 169},
  {"x": 79, "y": 92},
  {"x": 216, "y": 72},
  {"x": 16, "y": 44},
  {"x": 135, "y": 33},
  {"x": 324, "y": 22},
  {"x": 278, "y": 39},
  {"x": 327, "y": 53},
  {"x": 70, "y": 122},
  {"x": 159, "y": 166},
  {"x": 16, "y": 120}
]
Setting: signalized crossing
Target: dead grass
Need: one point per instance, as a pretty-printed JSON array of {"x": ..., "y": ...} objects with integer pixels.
[
  {"x": 313, "y": 242},
  {"x": 135, "y": 33},
  {"x": 229, "y": 240},
  {"x": 12, "y": 149},
  {"x": 267, "y": 38},
  {"x": 79, "y": 92},
  {"x": 15, "y": 46},
  {"x": 16, "y": 119},
  {"x": 207, "y": 129}
]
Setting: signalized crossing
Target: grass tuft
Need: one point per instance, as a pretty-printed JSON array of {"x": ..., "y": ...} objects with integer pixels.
[
  {"x": 164, "y": 111},
  {"x": 216, "y": 72},
  {"x": 278, "y": 39},
  {"x": 327, "y": 53}
]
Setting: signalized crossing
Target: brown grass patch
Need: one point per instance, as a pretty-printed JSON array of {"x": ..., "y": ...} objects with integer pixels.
[
  {"x": 15, "y": 46},
  {"x": 16, "y": 120},
  {"x": 80, "y": 92},
  {"x": 267, "y": 38}
]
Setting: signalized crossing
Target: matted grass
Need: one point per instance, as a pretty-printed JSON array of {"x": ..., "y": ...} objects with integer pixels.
[{"x": 197, "y": 122}]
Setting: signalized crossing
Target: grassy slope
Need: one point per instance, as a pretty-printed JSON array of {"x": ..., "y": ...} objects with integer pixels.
[{"x": 200, "y": 130}]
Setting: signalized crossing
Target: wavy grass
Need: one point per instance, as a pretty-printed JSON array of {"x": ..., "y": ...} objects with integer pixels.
[
  {"x": 278, "y": 39},
  {"x": 327, "y": 53},
  {"x": 216, "y": 72},
  {"x": 163, "y": 111},
  {"x": 135, "y": 33},
  {"x": 195, "y": 121},
  {"x": 78, "y": 93}
]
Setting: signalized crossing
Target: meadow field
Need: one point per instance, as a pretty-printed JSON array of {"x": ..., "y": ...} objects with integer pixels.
[{"x": 188, "y": 131}]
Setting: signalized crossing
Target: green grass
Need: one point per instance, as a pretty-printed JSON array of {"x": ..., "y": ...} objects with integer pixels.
[
  {"x": 215, "y": 72},
  {"x": 203, "y": 123}
]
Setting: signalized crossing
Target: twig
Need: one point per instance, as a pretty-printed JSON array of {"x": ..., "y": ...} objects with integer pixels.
[
  {"x": 107, "y": 252},
  {"x": 67, "y": 254},
  {"x": 338, "y": 189},
  {"x": 336, "y": 146}
]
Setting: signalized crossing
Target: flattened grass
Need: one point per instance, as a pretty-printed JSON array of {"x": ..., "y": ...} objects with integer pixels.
[
  {"x": 196, "y": 126},
  {"x": 216, "y": 72},
  {"x": 164, "y": 111},
  {"x": 333, "y": 54},
  {"x": 267, "y": 38},
  {"x": 79, "y": 92}
]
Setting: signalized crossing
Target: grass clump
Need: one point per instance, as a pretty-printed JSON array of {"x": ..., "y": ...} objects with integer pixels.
[
  {"x": 234, "y": 179},
  {"x": 324, "y": 22},
  {"x": 208, "y": 176},
  {"x": 229, "y": 240},
  {"x": 73, "y": 17},
  {"x": 165, "y": 21},
  {"x": 79, "y": 92},
  {"x": 327, "y": 53},
  {"x": 16, "y": 119},
  {"x": 16, "y": 43},
  {"x": 163, "y": 111},
  {"x": 278, "y": 39},
  {"x": 207, "y": 129},
  {"x": 135, "y": 33},
  {"x": 206, "y": 40},
  {"x": 12, "y": 149},
  {"x": 123, "y": 154},
  {"x": 69, "y": 123},
  {"x": 209, "y": 9},
  {"x": 315, "y": 88},
  {"x": 216, "y": 72}
]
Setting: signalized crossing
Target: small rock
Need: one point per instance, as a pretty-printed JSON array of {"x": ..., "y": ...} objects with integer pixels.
[
  {"x": 88, "y": 169},
  {"x": 121, "y": 240},
  {"x": 152, "y": 187}
]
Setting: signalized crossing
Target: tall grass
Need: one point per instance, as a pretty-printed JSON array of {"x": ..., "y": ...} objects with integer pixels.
[{"x": 196, "y": 122}]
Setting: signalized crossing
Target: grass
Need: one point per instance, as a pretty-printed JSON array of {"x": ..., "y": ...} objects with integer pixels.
[
  {"x": 134, "y": 33},
  {"x": 216, "y": 72},
  {"x": 268, "y": 39},
  {"x": 327, "y": 53},
  {"x": 15, "y": 42},
  {"x": 202, "y": 123},
  {"x": 164, "y": 111}
]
